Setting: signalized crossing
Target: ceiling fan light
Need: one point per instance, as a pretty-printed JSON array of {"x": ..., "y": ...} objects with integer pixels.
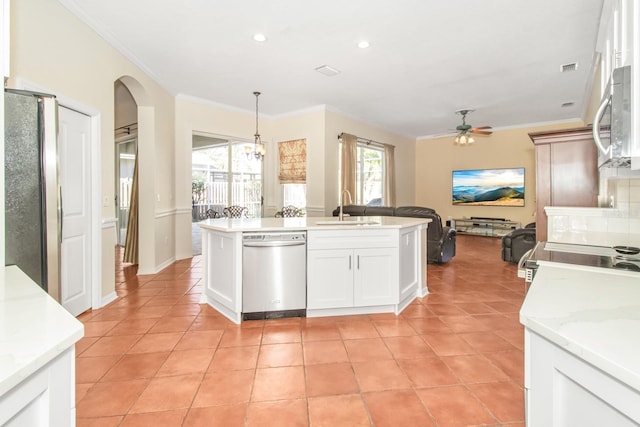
[{"x": 464, "y": 139}]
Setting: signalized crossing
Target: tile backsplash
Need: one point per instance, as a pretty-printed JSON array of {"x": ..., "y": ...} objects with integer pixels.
[{"x": 610, "y": 226}]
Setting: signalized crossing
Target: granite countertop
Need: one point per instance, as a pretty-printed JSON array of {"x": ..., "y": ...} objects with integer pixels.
[
  {"x": 591, "y": 312},
  {"x": 34, "y": 328},
  {"x": 311, "y": 223}
]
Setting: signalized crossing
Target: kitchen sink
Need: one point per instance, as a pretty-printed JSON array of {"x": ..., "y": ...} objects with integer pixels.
[{"x": 349, "y": 222}]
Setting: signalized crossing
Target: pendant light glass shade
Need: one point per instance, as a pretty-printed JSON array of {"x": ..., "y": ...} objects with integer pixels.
[
  {"x": 464, "y": 139},
  {"x": 258, "y": 151}
]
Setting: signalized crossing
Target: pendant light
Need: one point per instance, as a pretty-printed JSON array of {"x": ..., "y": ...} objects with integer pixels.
[{"x": 258, "y": 150}]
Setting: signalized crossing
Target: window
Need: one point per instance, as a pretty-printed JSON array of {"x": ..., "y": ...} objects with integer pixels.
[
  {"x": 369, "y": 174},
  {"x": 222, "y": 175},
  {"x": 294, "y": 194},
  {"x": 366, "y": 169}
]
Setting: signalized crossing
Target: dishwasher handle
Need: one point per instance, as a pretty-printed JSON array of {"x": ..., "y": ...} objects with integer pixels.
[{"x": 273, "y": 244}]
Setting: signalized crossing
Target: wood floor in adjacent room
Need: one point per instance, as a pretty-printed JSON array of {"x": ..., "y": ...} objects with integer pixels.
[{"x": 155, "y": 357}]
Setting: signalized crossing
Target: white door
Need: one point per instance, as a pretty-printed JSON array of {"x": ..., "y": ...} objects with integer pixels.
[
  {"x": 375, "y": 278},
  {"x": 330, "y": 278},
  {"x": 75, "y": 181}
]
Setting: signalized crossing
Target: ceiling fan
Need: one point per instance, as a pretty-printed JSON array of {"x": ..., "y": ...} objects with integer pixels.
[{"x": 465, "y": 130}]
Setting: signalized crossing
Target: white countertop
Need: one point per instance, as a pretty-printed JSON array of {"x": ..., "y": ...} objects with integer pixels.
[
  {"x": 593, "y": 313},
  {"x": 34, "y": 328},
  {"x": 311, "y": 223}
]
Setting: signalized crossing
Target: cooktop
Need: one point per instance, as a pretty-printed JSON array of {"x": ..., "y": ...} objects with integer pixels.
[{"x": 625, "y": 258}]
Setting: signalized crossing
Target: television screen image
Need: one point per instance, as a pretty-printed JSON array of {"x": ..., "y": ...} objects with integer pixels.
[{"x": 489, "y": 187}]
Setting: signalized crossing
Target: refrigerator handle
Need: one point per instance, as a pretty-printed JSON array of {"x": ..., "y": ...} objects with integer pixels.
[{"x": 61, "y": 212}]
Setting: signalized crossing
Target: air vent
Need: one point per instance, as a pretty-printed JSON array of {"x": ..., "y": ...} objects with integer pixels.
[
  {"x": 568, "y": 67},
  {"x": 567, "y": 104},
  {"x": 327, "y": 71}
]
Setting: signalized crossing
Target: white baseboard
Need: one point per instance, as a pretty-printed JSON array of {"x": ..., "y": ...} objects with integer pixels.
[
  {"x": 107, "y": 299},
  {"x": 164, "y": 265}
]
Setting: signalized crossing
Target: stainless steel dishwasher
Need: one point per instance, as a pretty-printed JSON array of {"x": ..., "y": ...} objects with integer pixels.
[{"x": 274, "y": 275}]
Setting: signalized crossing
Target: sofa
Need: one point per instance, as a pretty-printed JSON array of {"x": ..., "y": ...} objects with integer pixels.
[
  {"x": 441, "y": 240},
  {"x": 517, "y": 242}
]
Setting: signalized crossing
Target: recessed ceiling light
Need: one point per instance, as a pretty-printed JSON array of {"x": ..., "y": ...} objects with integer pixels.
[
  {"x": 327, "y": 70},
  {"x": 363, "y": 44},
  {"x": 259, "y": 37}
]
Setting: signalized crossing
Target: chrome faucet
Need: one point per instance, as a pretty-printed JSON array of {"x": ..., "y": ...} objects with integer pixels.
[{"x": 341, "y": 214}]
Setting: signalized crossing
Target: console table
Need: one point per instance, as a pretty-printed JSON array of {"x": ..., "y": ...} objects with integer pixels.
[{"x": 484, "y": 227}]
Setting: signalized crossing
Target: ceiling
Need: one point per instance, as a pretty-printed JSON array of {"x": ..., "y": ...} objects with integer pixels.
[{"x": 427, "y": 59}]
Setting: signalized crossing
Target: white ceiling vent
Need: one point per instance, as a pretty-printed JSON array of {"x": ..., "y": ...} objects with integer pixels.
[
  {"x": 567, "y": 104},
  {"x": 327, "y": 71},
  {"x": 569, "y": 67}
]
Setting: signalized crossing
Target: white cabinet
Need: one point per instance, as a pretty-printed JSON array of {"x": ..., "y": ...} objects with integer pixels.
[
  {"x": 352, "y": 269},
  {"x": 375, "y": 279},
  {"x": 619, "y": 44},
  {"x": 37, "y": 355},
  {"x": 329, "y": 278},
  {"x": 223, "y": 272},
  {"x": 564, "y": 390},
  {"x": 412, "y": 256},
  {"x": 619, "y": 47},
  {"x": 351, "y": 277},
  {"x": 45, "y": 397},
  {"x": 5, "y": 35}
]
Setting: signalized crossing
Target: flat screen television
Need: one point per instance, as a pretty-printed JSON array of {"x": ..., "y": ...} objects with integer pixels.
[{"x": 488, "y": 187}]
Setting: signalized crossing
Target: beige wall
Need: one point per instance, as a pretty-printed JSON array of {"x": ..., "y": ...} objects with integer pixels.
[
  {"x": 404, "y": 156},
  {"x": 125, "y": 108},
  {"x": 437, "y": 158},
  {"x": 319, "y": 127},
  {"x": 194, "y": 116},
  {"x": 53, "y": 50},
  {"x": 311, "y": 126}
]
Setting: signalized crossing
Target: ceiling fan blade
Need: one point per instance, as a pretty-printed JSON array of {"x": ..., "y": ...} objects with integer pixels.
[{"x": 481, "y": 131}]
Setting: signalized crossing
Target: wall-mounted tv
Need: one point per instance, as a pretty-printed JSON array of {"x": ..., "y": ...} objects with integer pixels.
[{"x": 488, "y": 187}]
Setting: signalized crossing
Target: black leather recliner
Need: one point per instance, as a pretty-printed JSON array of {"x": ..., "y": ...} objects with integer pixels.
[
  {"x": 441, "y": 241},
  {"x": 517, "y": 242}
]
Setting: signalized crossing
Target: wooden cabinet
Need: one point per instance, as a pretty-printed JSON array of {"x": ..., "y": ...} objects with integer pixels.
[
  {"x": 564, "y": 390},
  {"x": 566, "y": 172}
]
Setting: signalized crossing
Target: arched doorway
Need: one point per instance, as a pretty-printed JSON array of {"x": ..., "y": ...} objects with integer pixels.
[{"x": 134, "y": 117}]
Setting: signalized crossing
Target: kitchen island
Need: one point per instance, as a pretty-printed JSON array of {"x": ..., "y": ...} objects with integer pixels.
[
  {"x": 356, "y": 266},
  {"x": 582, "y": 347},
  {"x": 37, "y": 355}
]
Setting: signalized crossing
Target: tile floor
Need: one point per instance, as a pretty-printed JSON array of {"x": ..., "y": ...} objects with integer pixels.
[{"x": 155, "y": 357}]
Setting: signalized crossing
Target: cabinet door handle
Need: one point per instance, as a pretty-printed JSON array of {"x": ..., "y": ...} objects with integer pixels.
[
  {"x": 358, "y": 262},
  {"x": 349, "y": 262}
]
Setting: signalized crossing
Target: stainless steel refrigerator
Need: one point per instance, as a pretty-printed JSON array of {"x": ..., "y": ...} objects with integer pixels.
[{"x": 32, "y": 190}]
